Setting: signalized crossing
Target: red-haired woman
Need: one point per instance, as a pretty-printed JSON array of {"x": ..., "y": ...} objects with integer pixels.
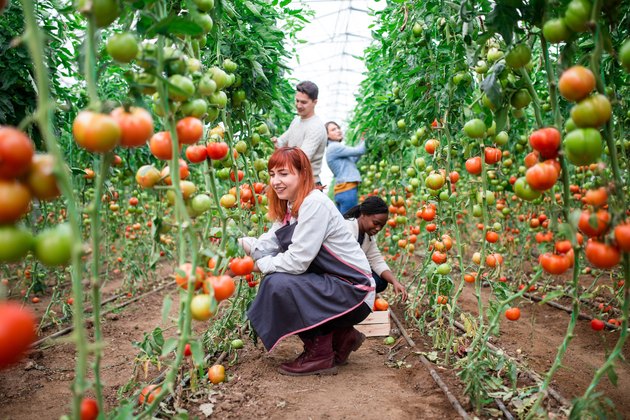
[{"x": 318, "y": 282}]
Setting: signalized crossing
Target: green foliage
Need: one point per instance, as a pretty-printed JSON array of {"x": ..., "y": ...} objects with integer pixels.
[{"x": 17, "y": 92}]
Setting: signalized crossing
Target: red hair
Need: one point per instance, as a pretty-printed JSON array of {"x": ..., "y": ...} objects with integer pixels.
[{"x": 295, "y": 160}]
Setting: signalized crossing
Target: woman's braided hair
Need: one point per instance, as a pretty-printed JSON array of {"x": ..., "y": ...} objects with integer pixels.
[{"x": 371, "y": 205}]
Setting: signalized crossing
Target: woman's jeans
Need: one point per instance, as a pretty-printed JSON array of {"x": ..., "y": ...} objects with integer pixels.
[{"x": 346, "y": 200}]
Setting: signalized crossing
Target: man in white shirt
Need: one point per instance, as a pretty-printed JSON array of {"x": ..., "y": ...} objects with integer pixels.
[{"x": 307, "y": 130}]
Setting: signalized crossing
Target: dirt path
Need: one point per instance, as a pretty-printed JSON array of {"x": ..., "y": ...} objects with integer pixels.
[
  {"x": 535, "y": 338},
  {"x": 380, "y": 381},
  {"x": 369, "y": 387}
]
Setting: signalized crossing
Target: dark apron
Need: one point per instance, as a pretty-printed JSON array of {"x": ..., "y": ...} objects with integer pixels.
[{"x": 288, "y": 304}]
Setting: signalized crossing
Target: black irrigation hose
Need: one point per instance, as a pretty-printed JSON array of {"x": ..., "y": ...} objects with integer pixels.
[{"x": 581, "y": 315}]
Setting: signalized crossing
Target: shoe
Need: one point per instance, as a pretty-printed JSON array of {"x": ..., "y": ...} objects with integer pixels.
[
  {"x": 345, "y": 341},
  {"x": 318, "y": 358}
]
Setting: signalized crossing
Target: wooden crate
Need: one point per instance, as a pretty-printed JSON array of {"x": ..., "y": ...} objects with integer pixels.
[{"x": 375, "y": 325}]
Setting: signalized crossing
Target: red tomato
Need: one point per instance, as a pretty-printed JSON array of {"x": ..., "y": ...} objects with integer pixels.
[
  {"x": 16, "y": 152},
  {"x": 546, "y": 141},
  {"x": 183, "y": 273},
  {"x": 241, "y": 174},
  {"x": 161, "y": 145},
  {"x": 196, "y": 153},
  {"x": 89, "y": 409},
  {"x": 597, "y": 324},
  {"x": 15, "y": 199},
  {"x": 602, "y": 255},
  {"x": 473, "y": 165},
  {"x": 601, "y": 219},
  {"x": 148, "y": 394},
  {"x": 492, "y": 155},
  {"x": 223, "y": 287},
  {"x": 576, "y": 83},
  {"x": 136, "y": 126},
  {"x": 96, "y": 132},
  {"x": 216, "y": 374},
  {"x": 431, "y": 145},
  {"x": 438, "y": 257},
  {"x": 622, "y": 236},
  {"x": 541, "y": 176},
  {"x": 218, "y": 150},
  {"x": 242, "y": 266},
  {"x": 553, "y": 263},
  {"x": 189, "y": 130},
  {"x": 17, "y": 332},
  {"x": 41, "y": 178},
  {"x": 513, "y": 314}
]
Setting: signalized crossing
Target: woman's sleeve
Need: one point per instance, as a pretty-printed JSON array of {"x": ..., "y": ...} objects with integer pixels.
[
  {"x": 265, "y": 245},
  {"x": 374, "y": 256},
  {"x": 306, "y": 242},
  {"x": 349, "y": 151}
]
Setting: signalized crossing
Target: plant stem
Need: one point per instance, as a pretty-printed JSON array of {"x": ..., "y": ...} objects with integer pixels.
[{"x": 35, "y": 42}]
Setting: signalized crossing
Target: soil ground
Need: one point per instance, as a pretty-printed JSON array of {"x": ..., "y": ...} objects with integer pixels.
[{"x": 379, "y": 382}]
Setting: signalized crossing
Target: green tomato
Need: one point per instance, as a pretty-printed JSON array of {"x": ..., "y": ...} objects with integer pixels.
[
  {"x": 593, "y": 111},
  {"x": 180, "y": 88},
  {"x": 237, "y": 343},
  {"x": 389, "y": 341},
  {"x": 204, "y": 5},
  {"x": 104, "y": 11},
  {"x": 520, "y": 99},
  {"x": 122, "y": 47},
  {"x": 195, "y": 108},
  {"x": 205, "y": 21},
  {"x": 15, "y": 242},
  {"x": 556, "y": 31},
  {"x": 583, "y": 146},
  {"x": 434, "y": 181},
  {"x": 524, "y": 191},
  {"x": 421, "y": 163},
  {"x": 201, "y": 203},
  {"x": 229, "y": 65},
  {"x": 569, "y": 126},
  {"x": 624, "y": 57},
  {"x": 206, "y": 85},
  {"x": 220, "y": 77},
  {"x": 218, "y": 99},
  {"x": 53, "y": 246},
  {"x": 401, "y": 124},
  {"x": 475, "y": 128},
  {"x": 241, "y": 147},
  {"x": 394, "y": 169},
  {"x": 443, "y": 269},
  {"x": 577, "y": 15},
  {"x": 417, "y": 29},
  {"x": 518, "y": 56}
]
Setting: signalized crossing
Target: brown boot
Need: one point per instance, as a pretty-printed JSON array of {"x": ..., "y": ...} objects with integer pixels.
[
  {"x": 318, "y": 358},
  {"x": 345, "y": 341}
]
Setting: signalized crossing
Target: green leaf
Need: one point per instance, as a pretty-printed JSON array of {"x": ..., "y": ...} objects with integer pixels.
[
  {"x": 197, "y": 352},
  {"x": 167, "y": 303},
  {"x": 175, "y": 25},
  {"x": 158, "y": 337},
  {"x": 612, "y": 375},
  {"x": 169, "y": 346},
  {"x": 552, "y": 296},
  {"x": 252, "y": 8}
]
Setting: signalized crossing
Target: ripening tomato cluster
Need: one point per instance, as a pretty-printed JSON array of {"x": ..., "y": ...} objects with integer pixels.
[{"x": 25, "y": 175}]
